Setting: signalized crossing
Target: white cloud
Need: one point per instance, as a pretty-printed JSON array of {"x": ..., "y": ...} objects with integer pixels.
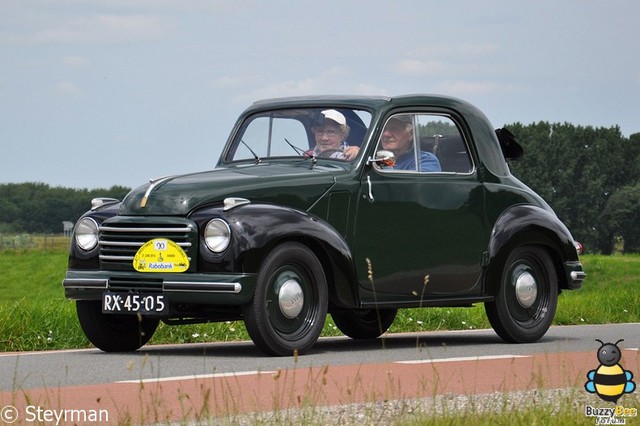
[
  {"x": 99, "y": 28},
  {"x": 335, "y": 80},
  {"x": 281, "y": 89},
  {"x": 456, "y": 50},
  {"x": 67, "y": 89},
  {"x": 417, "y": 67},
  {"x": 76, "y": 61},
  {"x": 467, "y": 88},
  {"x": 228, "y": 82}
]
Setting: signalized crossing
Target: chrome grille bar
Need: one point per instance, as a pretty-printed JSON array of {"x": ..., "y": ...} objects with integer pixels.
[
  {"x": 141, "y": 230},
  {"x": 119, "y": 241}
]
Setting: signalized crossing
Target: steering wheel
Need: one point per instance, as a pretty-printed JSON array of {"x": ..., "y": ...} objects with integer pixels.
[{"x": 329, "y": 152}]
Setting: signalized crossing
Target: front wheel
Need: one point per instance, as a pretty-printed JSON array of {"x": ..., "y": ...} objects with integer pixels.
[
  {"x": 290, "y": 302},
  {"x": 114, "y": 332},
  {"x": 526, "y": 302},
  {"x": 364, "y": 324}
]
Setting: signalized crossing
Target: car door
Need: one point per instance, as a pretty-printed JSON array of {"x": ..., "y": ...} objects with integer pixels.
[{"x": 419, "y": 231}]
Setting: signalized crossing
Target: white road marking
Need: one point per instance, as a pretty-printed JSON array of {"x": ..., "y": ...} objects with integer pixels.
[
  {"x": 196, "y": 376},
  {"x": 470, "y": 358}
]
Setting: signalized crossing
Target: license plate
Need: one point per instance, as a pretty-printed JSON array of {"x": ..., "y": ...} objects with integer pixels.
[{"x": 134, "y": 303}]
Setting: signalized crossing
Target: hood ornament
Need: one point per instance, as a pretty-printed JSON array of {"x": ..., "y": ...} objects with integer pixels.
[{"x": 153, "y": 183}]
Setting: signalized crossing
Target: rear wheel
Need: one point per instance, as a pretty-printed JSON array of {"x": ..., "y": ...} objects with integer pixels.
[
  {"x": 364, "y": 324},
  {"x": 526, "y": 302},
  {"x": 290, "y": 302},
  {"x": 114, "y": 332}
]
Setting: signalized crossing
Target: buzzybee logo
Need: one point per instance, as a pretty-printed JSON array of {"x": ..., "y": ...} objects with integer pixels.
[{"x": 609, "y": 381}]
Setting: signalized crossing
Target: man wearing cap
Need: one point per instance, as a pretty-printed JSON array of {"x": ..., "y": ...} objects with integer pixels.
[
  {"x": 397, "y": 137},
  {"x": 330, "y": 136}
]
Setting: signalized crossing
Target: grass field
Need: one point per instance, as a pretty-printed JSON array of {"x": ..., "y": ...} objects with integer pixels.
[{"x": 35, "y": 316}]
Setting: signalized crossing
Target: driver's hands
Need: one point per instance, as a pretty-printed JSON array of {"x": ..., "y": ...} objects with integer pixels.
[{"x": 351, "y": 152}]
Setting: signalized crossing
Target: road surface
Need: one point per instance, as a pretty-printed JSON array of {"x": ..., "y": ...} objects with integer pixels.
[{"x": 171, "y": 382}]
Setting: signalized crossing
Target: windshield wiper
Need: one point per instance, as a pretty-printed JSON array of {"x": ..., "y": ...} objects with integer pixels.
[
  {"x": 301, "y": 152},
  {"x": 298, "y": 151},
  {"x": 255, "y": 156}
]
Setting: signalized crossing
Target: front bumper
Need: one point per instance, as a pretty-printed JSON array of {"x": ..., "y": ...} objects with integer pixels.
[
  {"x": 574, "y": 275},
  {"x": 212, "y": 289}
]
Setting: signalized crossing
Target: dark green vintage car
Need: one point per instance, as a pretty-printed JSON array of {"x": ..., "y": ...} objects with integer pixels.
[{"x": 352, "y": 206}]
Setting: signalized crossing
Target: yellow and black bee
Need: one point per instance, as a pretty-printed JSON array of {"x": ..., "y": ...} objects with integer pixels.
[{"x": 609, "y": 381}]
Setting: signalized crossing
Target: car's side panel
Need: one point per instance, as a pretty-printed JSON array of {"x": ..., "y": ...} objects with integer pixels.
[{"x": 420, "y": 237}]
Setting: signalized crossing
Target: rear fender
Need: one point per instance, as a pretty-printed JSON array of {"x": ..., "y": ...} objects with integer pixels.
[{"x": 528, "y": 225}]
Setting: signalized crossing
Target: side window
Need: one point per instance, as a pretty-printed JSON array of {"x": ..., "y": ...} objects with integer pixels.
[
  {"x": 439, "y": 135},
  {"x": 425, "y": 143},
  {"x": 267, "y": 137}
]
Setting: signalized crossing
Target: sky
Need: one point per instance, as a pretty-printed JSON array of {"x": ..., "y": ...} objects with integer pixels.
[{"x": 114, "y": 92}]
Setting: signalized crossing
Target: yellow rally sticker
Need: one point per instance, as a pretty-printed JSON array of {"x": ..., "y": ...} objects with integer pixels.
[{"x": 160, "y": 255}]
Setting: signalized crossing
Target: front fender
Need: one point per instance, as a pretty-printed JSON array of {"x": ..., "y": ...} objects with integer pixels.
[
  {"x": 528, "y": 224},
  {"x": 257, "y": 228}
]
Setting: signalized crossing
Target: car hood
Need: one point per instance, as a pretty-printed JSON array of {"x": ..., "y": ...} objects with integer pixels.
[{"x": 298, "y": 186}]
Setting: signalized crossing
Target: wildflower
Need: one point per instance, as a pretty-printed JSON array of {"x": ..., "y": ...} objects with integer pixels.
[
  {"x": 195, "y": 335},
  {"x": 369, "y": 269}
]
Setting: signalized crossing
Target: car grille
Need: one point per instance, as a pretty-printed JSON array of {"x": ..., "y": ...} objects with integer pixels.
[{"x": 120, "y": 239}]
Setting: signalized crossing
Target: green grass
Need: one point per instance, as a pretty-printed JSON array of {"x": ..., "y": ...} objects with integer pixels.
[{"x": 34, "y": 314}]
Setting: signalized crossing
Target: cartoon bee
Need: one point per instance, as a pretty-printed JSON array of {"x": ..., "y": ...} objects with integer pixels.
[{"x": 609, "y": 381}]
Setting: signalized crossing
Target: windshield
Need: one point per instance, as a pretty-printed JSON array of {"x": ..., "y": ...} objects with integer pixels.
[{"x": 332, "y": 133}]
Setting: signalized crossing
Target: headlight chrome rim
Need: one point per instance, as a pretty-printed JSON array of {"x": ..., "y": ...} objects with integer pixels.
[
  {"x": 86, "y": 234},
  {"x": 217, "y": 235}
]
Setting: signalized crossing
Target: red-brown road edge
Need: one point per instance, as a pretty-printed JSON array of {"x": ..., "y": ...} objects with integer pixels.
[{"x": 175, "y": 399}]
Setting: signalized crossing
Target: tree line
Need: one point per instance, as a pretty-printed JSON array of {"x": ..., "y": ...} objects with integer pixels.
[
  {"x": 38, "y": 208},
  {"x": 590, "y": 176}
]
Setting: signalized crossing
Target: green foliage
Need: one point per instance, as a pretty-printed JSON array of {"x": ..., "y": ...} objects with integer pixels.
[
  {"x": 577, "y": 170},
  {"x": 438, "y": 128},
  {"x": 621, "y": 216},
  {"x": 39, "y": 208}
]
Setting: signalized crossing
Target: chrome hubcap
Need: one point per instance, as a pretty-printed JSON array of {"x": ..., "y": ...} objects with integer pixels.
[
  {"x": 291, "y": 299},
  {"x": 526, "y": 289}
]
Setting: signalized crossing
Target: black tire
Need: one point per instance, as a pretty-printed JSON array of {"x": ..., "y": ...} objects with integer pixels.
[
  {"x": 114, "y": 332},
  {"x": 526, "y": 302},
  {"x": 289, "y": 306},
  {"x": 365, "y": 323}
]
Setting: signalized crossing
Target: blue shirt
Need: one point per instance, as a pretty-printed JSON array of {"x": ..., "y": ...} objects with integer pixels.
[{"x": 428, "y": 162}]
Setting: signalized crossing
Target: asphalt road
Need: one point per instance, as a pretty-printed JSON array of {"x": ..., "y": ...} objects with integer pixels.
[{"x": 60, "y": 369}]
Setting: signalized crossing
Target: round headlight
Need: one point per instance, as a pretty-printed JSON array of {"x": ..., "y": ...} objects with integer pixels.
[
  {"x": 87, "y": 234},
  {"x": 217, "y": 235}
]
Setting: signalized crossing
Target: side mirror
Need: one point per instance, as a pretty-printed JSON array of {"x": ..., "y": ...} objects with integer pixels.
[{"x": 383, "y": 158}]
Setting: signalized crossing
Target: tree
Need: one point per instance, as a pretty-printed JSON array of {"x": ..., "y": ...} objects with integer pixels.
[
  {"x": 38, "y": 208},
  {"x": 577, "y": 169},
  {"x": 621, "y": 216}
]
